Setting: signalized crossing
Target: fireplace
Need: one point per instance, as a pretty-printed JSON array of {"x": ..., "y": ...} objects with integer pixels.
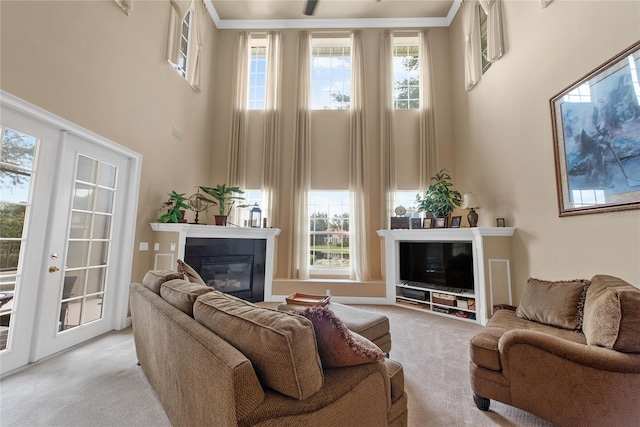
[{"x": 233, "y": 266}]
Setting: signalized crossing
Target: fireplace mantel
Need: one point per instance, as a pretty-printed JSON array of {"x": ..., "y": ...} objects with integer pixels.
[{"x": 220, "y": 232}]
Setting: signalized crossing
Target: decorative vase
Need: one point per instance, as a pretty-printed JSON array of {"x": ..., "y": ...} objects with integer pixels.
[{"x": 221, "y": 220}]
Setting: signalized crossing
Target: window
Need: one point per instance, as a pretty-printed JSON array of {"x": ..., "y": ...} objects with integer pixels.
[
  {"x": 408, "y": 200},
  {"x": 329, "y": 231},
  {"x": 483, "y": 40},
  {"x": 257, "y": 74},
  {"x": 406, "y": 73},
  {"x": 185, "y": 39},
  {"x": 251, "y": 197},
  {"x": 331, "y": 74}
]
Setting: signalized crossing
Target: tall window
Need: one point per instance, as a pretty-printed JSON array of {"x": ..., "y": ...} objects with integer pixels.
[
  {"x": 257, "y": 74},
  {"x": 407, "y": 199},
  {"x": 483, "y": 40},
  {"x": 406, "y": 73},
  {"x": 185, "y": 39},
  {"x": 329, "y": 231},
  {"x": 331, "y": 74}
]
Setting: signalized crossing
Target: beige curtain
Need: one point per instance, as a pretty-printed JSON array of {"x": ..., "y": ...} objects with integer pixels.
[
  {"x": 273, "y": 108},
  {"x": 301, "y": 179},
  {"x": 239, "y": 119},
  {"x": 495, "y": 37},
  {"x": 178, "y": 11},
  {"x": 472, "y": 54},
  {"x": 198, "y": 32},
  {"x": 358, "y": 173},
  {"x": 387, "y": 126},
  {"x": 428, "y": 144}
]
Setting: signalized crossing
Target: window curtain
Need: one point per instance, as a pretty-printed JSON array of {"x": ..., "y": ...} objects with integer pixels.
[
  {"x": 472, "y": 54},
  {"x": 179, "y": 9},
  {"x": 239, "y": 118},
  {"x": 495, "y": 38},
  {"x": 358, "y": 242},
  {"x": 428, "y": 145},
  {"x": 387, "y": 126},
  {"x": 301, "y": 179},
  {"x": 273, "y": 108},
  {"x": 198, "y": 32}
]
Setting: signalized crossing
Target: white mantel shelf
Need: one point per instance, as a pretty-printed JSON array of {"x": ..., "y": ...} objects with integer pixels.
[
  {"x": 221, "y": 232},
  {"x": 447, "y": 233}
]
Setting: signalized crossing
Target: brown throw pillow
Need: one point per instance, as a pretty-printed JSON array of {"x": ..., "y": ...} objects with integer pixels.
[
  {"x": 338, "y": 347},
  {"x": 153, "y": 279},
  {"x": 189, "y": 273},
  {"x": 558, "y": 303},
  {"x": 612, "y": 320},
  {"x": 182, "y": 294}
]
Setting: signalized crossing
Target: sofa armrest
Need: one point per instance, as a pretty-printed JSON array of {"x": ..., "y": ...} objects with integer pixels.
[{"x": 586, "y": 355}]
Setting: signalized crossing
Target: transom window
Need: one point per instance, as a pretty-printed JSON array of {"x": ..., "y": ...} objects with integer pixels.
[
  {"x": 331, "y": 74},
  {"x": 329, "y": 231},
  {"x": 483, "y": 40},
  {"x": 406, "y": 73},
  {"x": 257, "y": 74},
  {"x": 185, "y": 39}
]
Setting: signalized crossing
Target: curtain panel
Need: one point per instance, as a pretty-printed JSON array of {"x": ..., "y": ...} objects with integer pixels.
[
  {"x": 301, "y": 179},
  {"x": 495, "y": 38},
  {"x": 387, "y": 127},
  {"x": 358, "y": 171},
  {"x": 273, "y": 108},
  {"x": 178, "y": 10},
  {"x": 239, "y": 118},
  {"x": 428, "y": 144}
]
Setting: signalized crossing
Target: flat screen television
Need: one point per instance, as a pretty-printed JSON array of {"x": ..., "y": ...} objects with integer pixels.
[{"x": 437, "y": 264}]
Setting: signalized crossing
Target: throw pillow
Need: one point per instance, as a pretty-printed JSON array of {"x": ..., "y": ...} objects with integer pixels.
[
  {"x": 153, "y": 279},
  {"x": 338, "y": 347},
  {"x": 558, "y": 303},
  {"x": 189, "y": 273},
  {"x": 182, "y": 294}
]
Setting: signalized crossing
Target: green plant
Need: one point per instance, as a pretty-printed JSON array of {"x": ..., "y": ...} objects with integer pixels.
[
  {"x": 175, "y": 204},
  {"x": 439, "y": 199},
  {"x": 224, "y": 197}
]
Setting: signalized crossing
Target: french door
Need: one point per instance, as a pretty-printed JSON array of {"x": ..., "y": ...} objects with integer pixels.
[{"x": 68, "y": 207}]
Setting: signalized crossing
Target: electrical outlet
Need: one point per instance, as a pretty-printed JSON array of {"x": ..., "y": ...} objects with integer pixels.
[
  {"x": 144, "y": 246},
  {"x": 328, "y": 292},
  {"x": 173, "y": 247},
  {"x": 156, "y": 247}
]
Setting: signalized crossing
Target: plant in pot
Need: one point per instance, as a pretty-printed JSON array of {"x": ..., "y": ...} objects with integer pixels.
[
  {"x": 439, "y": 199},
  {"x": 176, "y": 208},
  {"x": 225, "y": 198}
]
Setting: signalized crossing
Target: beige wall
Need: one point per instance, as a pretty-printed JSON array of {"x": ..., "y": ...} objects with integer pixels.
[
  {"x": 91, "y": 64},
  {"x": 504, "y": 146},
  {"x": 330, "y": 135}
]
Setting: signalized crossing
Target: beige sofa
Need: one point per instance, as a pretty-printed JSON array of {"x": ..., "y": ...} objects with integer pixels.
[
  {"x": 215, "y": 360},
  {"x": 569, "y": 354}
]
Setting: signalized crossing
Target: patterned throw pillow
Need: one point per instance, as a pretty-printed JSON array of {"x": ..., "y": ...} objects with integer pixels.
[
  {"x": 189, "y": 273},
  {"x": 338, "y": 347}
]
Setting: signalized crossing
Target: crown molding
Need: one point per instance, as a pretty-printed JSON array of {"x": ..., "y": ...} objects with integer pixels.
[{"x": 312, "y": 23}]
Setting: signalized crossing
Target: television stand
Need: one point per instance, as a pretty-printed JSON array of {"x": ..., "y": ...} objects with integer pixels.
[{"x": 491, "y": 251}]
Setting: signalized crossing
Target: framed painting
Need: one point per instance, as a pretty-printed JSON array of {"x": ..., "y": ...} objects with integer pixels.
[
  {"x": 455, "y": 221},
  {"x": 596, "y": 137}
]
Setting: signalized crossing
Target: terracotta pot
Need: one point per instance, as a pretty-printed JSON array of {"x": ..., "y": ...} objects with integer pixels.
[{"x": 221, "y": 219}]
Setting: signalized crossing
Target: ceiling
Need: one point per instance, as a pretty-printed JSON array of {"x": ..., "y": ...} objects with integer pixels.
[{"x": 281, "y": 14}]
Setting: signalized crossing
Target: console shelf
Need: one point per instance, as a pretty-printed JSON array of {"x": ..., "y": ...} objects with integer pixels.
[{"x": 491, "y": 252}]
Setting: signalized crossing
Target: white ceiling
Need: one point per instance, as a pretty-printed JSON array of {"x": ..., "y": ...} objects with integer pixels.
[{"x": 281, "y": 14}]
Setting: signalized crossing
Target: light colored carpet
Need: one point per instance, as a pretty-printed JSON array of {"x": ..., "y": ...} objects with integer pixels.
[{"x": 99, "y": 384}]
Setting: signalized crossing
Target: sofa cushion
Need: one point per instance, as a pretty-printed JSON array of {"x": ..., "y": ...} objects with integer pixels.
[
  {"x": 281, "y": 346},
  {"x": 338, "y": 347},
  {"x": 182, "y": 294},
  {"x": 558, "y": 303},
  {"x": 612, "y": 314},
  {"x": 155, "y": 278},
  {"x": 189, "y": 273}
]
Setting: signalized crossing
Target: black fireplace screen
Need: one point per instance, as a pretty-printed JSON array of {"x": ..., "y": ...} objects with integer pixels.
[{"x": 229, "y": 273}]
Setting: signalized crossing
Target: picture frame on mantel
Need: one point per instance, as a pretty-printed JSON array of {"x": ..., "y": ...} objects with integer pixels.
[{"x": 596, "y": 138}]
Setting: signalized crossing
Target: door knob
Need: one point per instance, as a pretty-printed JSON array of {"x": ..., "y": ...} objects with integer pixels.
[{"x": 53, "y": 269}]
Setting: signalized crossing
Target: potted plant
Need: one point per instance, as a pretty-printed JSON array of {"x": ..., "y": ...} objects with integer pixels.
[
  {"x": 176, "y": 207},
  {"x": 225, "y": 197},
  {"x": 439, "y": 199}
]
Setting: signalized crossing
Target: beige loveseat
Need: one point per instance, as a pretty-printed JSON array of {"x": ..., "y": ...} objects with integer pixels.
[
  {"x": 215, "y": 360},
  {"x": 570, "y": 353}
]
